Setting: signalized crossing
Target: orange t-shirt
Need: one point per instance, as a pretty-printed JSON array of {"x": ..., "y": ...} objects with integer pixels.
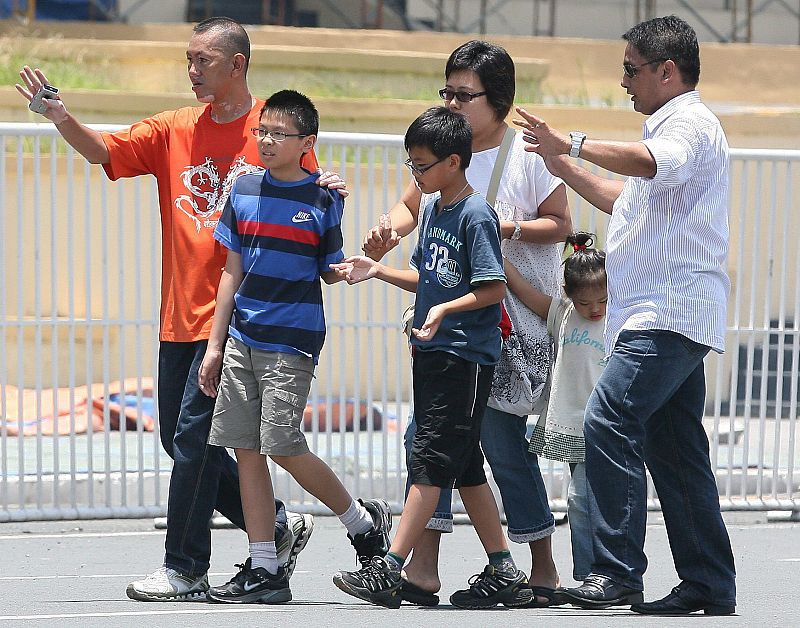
[{"x": 195, "y": 162}]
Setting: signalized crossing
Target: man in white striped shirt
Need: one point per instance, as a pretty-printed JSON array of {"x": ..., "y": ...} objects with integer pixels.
[{"x": 667, "y": 246}]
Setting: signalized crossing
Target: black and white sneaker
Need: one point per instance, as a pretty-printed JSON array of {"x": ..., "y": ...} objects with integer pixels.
[
  {"x": 167, "y": 585},
  {"x": 491, "y": 587},
  {"x": 252, "y": 586},
  {"x": 377, "y": 582},
  {"x": 374, "y": 542}
]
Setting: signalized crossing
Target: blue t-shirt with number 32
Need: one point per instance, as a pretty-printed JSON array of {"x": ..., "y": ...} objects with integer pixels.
[{"x": 457, "y": 249}]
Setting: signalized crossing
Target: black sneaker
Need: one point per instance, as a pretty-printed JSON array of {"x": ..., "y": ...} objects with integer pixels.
[
  {"x": 491, "y": 587},
  {"x": 252, "y": 585},
  {"x": 374, "y": 542},
  {"x": 377, "y": 582}
]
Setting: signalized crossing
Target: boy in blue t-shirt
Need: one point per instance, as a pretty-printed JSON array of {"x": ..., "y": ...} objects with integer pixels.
[
  {"x": 282, "y": 232},
  {"x": 457, "y": 273}
]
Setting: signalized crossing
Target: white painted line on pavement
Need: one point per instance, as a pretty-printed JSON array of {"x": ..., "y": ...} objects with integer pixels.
[
  {"x": 79, "y": 535},
  {"x": 199, "y": 611},
  {"x": 789, "y": 560}
]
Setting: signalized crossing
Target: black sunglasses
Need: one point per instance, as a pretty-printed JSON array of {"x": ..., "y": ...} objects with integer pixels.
[
  {"x": 449, "y": 94},
  {"x": 632, "y": 70}
]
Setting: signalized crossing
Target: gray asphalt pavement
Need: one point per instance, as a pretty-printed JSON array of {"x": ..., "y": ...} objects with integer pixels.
[{"x": 74, "y": 573}]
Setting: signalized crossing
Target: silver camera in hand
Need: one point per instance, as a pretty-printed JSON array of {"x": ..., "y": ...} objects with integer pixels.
[{"x": 37, "y": 104}]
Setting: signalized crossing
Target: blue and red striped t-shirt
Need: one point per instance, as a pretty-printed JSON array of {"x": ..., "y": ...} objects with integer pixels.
[{"x": 287, "y": 234}]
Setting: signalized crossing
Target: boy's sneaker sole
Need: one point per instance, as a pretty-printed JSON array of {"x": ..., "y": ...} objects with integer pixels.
[
  {"x": 387, "y": 599},
  {"x": 300, "y": 527},
  {"x": 194, "y": 596},
  {"x": 257, "y": 597}
]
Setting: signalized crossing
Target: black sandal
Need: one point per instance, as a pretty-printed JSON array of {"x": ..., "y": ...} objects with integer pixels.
[{"x": 412, "y": 594}]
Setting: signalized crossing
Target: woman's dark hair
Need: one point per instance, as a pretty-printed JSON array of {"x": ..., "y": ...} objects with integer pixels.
[
  {"x": 231, "y": 37},
  {"x": 668, "y": 38},
  {"x": 586, "y": 267},
  {"x": 494, "y": 68},
  {"x": 442, "y": 132},
  {"x": 295, "y": 106}
]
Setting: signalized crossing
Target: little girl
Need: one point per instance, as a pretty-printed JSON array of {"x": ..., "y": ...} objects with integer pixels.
[{"x": 576, "y": 323}]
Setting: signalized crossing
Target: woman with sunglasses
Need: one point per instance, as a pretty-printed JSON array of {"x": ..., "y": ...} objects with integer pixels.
[{"x": 534, "y": 217}]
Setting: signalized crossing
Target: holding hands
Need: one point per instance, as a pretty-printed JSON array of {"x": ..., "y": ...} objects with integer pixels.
[
  {"x": 56, "y": 112},
  {"x": 356, "y": 269},
  {"x": 359, "y": 268},
  {"x": 380, "y": 239}
]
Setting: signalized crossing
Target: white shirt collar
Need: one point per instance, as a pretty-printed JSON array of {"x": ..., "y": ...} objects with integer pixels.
[{"x": 669, "y": 108}]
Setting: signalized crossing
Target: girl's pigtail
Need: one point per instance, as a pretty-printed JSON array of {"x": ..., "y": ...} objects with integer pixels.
[{"x": 586, "y": 265}]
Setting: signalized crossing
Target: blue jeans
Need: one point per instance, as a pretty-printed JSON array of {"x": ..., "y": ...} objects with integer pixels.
[
  {"x": 516, "y": 472},
  {"x": 442, "y": 519},
  {"x": 647, "y": 408},
  {"x": 204, "y": 477},
  {"x": 580, "y": 530}
]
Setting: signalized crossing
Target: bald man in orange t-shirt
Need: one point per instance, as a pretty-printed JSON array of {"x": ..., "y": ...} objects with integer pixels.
[{"x": 195, "y": 153}]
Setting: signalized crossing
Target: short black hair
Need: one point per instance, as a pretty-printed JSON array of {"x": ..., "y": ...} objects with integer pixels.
[
  {"x": 297, "y": 106},
  {"x": 442, "y": 132},
  {"x": 494, "y": 68},
  {"x": 232, "y": 37},
  {"x": 668, "y": 38}
]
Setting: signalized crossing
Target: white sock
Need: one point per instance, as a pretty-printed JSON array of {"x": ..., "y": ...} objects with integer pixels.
[
  {"x": 356, "y": 519},
  {"x": 264, "y": 555}
]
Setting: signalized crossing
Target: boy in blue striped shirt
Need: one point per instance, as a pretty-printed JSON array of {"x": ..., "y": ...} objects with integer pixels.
[{"x": 282, "y": 232}]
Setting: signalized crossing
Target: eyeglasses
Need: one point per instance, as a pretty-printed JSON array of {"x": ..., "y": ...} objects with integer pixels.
[
  {"x": 449, "y": 94},
  {"x": 420, "y": 171},
  {"x": 632, "y": 70},
  {"x": 277, "y": 136}
]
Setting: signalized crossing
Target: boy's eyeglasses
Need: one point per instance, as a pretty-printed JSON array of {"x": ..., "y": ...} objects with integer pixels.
[
  {"x": 449, "y": 94},
  {"x": 277, "y": 136},
  {"x": 632, "y": 70},
  {"x": 420, "y": 171}
]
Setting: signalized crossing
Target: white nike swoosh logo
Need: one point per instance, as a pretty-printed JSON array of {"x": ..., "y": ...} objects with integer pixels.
[
  {"x": 296, "y": 219},
  {"x": 249, "y": 587}
]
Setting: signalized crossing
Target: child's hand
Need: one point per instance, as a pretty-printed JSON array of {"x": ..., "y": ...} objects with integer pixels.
[
  {"x": 333, "y": 181},
  {"x": 209, "y": 374},
  {"x": 381, "y": 238},
  {"x": 356, "y": 269},
  {"x": 431, "y": 324}
]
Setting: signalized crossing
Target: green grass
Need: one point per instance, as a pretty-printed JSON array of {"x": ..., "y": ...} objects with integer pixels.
[{"x": 64, "y": 73}]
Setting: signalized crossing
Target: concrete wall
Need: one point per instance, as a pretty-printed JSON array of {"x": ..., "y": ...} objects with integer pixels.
[{"x": 581, "y": 71}]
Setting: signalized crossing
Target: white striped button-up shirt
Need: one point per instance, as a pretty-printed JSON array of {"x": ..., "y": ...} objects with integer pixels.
[{"x": 667, "y": 240}]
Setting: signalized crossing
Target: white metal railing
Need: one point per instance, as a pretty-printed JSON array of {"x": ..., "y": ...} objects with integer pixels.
[{"x": 79, "y": 296}]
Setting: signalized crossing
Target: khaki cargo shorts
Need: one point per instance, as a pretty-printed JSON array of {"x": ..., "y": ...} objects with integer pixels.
[{"x": 262, "y": 395}]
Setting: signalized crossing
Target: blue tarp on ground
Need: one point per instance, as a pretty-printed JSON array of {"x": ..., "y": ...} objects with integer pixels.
[{"x": 96, "y": 10}]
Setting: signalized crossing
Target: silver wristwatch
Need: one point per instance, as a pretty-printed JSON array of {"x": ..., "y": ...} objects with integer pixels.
[
  {"x": 517, "y": 234},
  {"x": 577, "y": 138}
]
